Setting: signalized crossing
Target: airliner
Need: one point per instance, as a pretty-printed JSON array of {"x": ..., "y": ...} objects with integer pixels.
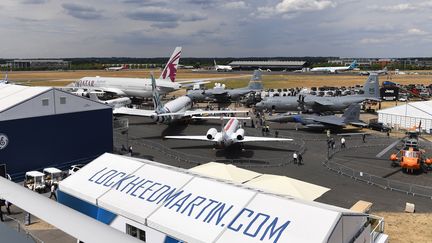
[
  {"x": 173, "y": 110},
  {"x": 133, "y": 87},
  {"x": 117, "y": 68},
  {"x": 230, "y": 134},
  {"x": 335, "y": 69},
  {"x": 222, "y": 68}
]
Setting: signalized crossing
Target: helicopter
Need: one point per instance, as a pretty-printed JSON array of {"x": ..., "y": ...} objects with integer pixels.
[{"x": 411, "y": 158}]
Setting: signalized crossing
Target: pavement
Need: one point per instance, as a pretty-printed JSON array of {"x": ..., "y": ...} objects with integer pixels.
[{"x": 274, "y": 158}]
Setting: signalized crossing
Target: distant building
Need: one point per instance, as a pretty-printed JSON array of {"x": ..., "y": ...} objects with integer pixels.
[
  {"x": 39, "y": 64},
  {"x": 271, "y": 65}
]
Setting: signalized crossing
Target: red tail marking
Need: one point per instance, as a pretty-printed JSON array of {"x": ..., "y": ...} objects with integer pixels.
[{"x": 171, "y": 68}]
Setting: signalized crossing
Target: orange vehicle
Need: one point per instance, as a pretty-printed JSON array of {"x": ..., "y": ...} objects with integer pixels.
[{"x": 411, "y": 157}]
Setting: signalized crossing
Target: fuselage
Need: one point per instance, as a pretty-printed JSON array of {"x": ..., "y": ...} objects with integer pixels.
[
  {"x": 231, "y": 134},
  {"x": 291, "y": 103},
  {"x": 180, "y": 104},
  {"x": 132, "y": 87}
]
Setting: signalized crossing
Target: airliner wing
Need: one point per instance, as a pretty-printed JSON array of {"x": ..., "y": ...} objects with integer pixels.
[
  {"x": 133, "y": 112},
  {"x": 204, "y": 112},
  {"x": 199, "y": 112},
  {"x": 264, "y": 139},
  {"x": 116, "y": 91},
  {"x": 207, "y": 80},
  {"x": 200, "y": 138}
]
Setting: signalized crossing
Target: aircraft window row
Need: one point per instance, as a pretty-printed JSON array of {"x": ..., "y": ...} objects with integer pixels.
[{"x": 135, "y": 232}]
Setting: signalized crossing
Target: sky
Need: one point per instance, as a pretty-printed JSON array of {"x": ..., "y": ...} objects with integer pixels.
[{"x": 215, "y": 28}]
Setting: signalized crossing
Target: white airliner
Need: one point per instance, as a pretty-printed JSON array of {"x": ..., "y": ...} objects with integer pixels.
[
  {"x": 117, "y": 68},
  {"x": 335, "y": 69},
  {"x": 176, "y": 109},
  {"x": 222, "y": 68},
  {"x": 133, "y": 87},
  {"x": 231, "y": 133}
]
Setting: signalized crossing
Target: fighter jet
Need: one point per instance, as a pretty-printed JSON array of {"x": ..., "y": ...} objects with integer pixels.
[
  {"x": 317, "y": 104},
  {"x": 313, "y": 121},
  {"x": 220, "y": 94}
]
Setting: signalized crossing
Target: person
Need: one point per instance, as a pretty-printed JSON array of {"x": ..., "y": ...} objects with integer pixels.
[
  {"x": 388, "y": 133},
  {"x": 295, "y": 157},
  {"x": 342, "y": 142},
  {"x": 53, "y": 190},
  {"x": 300, "y": 159},
  {"x": 276, "y": 134},
  {"x": 364, "y": 138},
  {"x": 333, "y": 143},
  {"x": 1, "y": 214},
  {"x": 7, "y": 205},
  {"x": 130, "y": 150}
]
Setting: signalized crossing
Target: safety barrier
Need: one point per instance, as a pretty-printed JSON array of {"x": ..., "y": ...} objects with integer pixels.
[
  {"x": 388, "y": 184},
  {"x": 120, "y": 140}
]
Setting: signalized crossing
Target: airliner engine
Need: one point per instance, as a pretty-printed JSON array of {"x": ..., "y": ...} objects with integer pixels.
[
  {"x": 240, "y": 134},
  {"x": 211, "y": 133}
]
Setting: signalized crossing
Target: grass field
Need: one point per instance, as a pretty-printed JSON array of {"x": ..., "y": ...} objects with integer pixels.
[{"x": 60, "y": 78}]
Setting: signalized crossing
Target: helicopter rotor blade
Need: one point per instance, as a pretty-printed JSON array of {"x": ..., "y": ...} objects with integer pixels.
[{"x": 388, "y": 148}]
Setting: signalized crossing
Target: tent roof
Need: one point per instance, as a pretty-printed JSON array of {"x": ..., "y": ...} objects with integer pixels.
[
  {"x": 421, "y": 109},
  {"x": 281, "y": 185},
  {"x": 11, "y": 95},
  {"x": 160, "y": 197},
  {"x": 225, "y": 172}
]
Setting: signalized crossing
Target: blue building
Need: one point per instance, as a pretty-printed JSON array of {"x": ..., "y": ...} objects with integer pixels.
[{"x": 43, "y": 126}]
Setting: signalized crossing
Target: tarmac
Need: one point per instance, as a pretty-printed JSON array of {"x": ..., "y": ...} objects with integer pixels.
[{"x": 275, "y": 158}]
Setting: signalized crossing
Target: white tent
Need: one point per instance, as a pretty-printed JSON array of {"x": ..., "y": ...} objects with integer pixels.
[
  {"x": 281, "y": 185},
  {"x": 170, "y": 203},
  {"x": 408, "y": 115},
  {"x": 225, "y": 172}
]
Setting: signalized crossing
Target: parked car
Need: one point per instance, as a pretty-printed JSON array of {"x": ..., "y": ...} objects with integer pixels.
[
  {"x": 379, "y": 126},
  {"x": 75, "y": 168}
]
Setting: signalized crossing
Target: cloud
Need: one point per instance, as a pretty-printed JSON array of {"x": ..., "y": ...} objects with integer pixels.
[
  {"x": 147, "y": 2},
  {"x": 156, "y": 14},
  {"x": 235, "y": 5},
  {"x": 34, "y": 1},
  {"x": 291, "y": 8},
  {"x": 81, "y": 11},
  {"x": 373, "y": 40},
  {"x": 165, "y": 25},
  {"x": 404, "y": 7},
  {"x": 415, "y": 31}
]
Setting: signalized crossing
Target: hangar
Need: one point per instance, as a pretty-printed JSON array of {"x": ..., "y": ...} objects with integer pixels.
[
  {"x": 43, "y": 126},
  {"x": 159, "y": 203},
  {"x": 272, "y": 65},
  {"x": 408, "y": 115}
]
